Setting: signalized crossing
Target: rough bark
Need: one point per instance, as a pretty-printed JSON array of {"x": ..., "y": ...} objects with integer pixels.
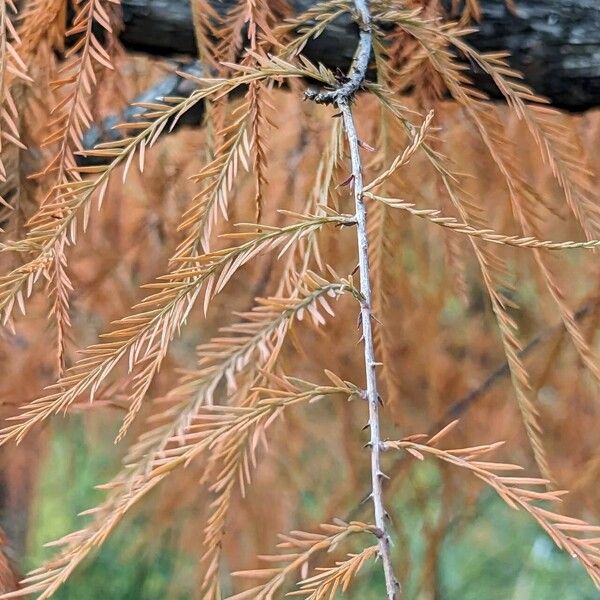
[{"x": 555, "y": 43}]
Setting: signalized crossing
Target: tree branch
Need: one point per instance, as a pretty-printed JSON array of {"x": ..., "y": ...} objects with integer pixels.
[
  {"x": 554, "y": 43},
  {"x": 459, "y": 407},
  {"x": 342, "y": 96}
]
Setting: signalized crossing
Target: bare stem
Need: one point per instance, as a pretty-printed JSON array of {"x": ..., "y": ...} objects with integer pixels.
[
  {"x": 342, "y": 97},
  {"x": 391, "y": 582}
]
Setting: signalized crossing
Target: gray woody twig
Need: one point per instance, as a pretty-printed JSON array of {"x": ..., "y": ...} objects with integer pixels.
[{"x": 342, "y": 97}]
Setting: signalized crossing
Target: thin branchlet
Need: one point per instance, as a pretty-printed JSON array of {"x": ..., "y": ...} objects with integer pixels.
[{"x": 342, "y": 97}]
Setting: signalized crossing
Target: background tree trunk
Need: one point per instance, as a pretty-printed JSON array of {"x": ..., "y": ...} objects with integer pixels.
[{"x": 554, "y": 43}]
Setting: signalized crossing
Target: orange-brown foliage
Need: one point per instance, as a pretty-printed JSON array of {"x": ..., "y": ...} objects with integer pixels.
[{"x": 436, "y": 335}]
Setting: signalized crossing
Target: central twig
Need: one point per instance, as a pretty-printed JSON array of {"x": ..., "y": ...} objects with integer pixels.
[{"x": 342, "y": 97}]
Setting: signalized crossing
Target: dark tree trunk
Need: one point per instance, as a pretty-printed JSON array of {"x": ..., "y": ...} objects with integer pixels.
[{"x": 555, "y": 43}]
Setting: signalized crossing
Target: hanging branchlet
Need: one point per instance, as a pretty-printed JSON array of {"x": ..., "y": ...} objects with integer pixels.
[
  {"x": 254, "y": 341},
  {"x": 436, "y": 217},
  {"x": 260, "y": 21},
  {"x": 211, "y": 428},
  {"x": 12, "y": 69},
  {"x": 331, "y": 579},
  {"x": 300, "y": 547},
  {"x": 497, "y": 283},
  {"x": 520, "y": 493},
  {"x": 212, "y": 424},
  {"x": 207, "y": 23},
  {"x": 299, "y": 30},
  {"x": 217, "y": 178},
  {"x": 77, "y": 78},
  {"x": 143, "y": 336},
  {"x": 57, "y": 221}
]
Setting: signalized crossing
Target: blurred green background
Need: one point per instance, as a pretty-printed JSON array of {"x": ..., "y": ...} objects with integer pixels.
[{"x": 497, "y": 554}]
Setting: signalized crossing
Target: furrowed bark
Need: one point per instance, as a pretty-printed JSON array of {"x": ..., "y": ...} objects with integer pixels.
[{"x": 554, "y": 43}]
